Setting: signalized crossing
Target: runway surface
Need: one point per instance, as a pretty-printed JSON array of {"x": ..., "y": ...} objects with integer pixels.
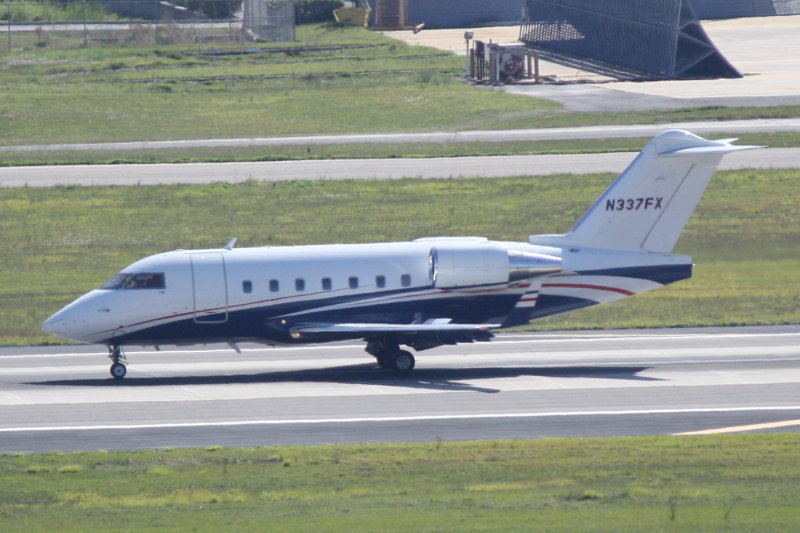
[
  {"x": 429, "y": 168},
  {"x": 561, "y": 384}
]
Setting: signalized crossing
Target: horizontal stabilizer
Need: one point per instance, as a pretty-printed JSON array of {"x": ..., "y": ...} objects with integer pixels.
[{"x": 723, "y": 149}]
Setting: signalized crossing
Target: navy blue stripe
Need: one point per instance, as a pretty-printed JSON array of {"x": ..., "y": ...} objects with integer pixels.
[
  {"x": 663, "y": 274},
  {"x": 260, "y": 324}
]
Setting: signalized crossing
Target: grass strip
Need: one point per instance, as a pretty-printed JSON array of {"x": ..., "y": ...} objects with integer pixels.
[
  {"x": 334, "y": 80},
  {"x": 716, "y": 483},
  {"x": 26, "y": 11},
  {"x": 61, "y": 242},
  {"x": 358, "y": 151}
]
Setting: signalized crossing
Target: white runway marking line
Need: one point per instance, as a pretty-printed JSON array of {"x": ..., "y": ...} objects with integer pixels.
[
  {"x": 579, "y": 337},
  {"x": 739, "y": 429},
  {"x": 421, "y": 418},
  {"x": 526, "y": 338},
  {"x": 144, "y": 370}
]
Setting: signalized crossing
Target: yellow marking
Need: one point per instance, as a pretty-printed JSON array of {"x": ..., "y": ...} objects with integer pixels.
[{"x": 752, "y": 427}]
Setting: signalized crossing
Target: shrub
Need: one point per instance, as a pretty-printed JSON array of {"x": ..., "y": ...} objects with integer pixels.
[
  {"x": 213, "y": 9},
  {"x": 311, "y": 11}
]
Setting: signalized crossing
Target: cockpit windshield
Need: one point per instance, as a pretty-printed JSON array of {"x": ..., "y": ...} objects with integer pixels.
[{"x": 143, "y": 280}]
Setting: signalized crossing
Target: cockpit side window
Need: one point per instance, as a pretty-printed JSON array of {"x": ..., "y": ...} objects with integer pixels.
[
  {"x": 143, "y": 280},
  {"x": 117, "y": 282},
  {"x": 150, "y": 280}
]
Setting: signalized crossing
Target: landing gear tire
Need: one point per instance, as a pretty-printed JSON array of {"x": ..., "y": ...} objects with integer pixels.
[
  {"x": 389, "y": 355},
  {"x": 118, "y": 370},
  {"x": 403, "y": 362}
]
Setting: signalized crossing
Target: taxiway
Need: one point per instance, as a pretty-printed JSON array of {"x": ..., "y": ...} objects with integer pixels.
[{"x": 426, "y": 168}]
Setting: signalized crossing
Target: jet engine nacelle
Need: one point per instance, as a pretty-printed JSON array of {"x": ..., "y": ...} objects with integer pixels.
[{"x": 470, "y": 265}]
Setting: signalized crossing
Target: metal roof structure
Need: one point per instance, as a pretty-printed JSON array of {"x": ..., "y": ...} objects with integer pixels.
[{"x": 630, "y": 39}]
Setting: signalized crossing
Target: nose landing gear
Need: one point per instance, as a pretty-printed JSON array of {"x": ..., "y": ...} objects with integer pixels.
[{"x": 118, "y": 368}]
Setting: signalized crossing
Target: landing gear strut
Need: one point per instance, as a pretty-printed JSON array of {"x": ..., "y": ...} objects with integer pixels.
[
  {"x": 390, "y": 356},
  {"x": 118, "y": 369}
]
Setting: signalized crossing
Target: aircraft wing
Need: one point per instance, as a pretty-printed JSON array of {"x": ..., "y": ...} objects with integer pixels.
[
  {"x": 432, "y": 332},
  {"x": 372, "y": 328}
]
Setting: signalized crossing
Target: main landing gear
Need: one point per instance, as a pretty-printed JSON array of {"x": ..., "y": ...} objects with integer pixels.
[
  {"x": 118, "y": 368},
  {"x": 390, "y": 356}
]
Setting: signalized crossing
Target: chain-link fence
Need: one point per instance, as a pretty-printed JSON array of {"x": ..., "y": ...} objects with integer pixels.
[{"x": 73, "y": 23}]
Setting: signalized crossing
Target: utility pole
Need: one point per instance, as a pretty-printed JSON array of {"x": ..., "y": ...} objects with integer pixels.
[{"x": 85, "y": 29}]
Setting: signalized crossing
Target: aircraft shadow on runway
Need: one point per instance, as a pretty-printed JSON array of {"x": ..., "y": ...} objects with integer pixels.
[{"x": 445, "y": 379}]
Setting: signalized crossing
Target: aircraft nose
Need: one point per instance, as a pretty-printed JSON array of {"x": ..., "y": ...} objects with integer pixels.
[
  {"x": 69, "y": 323},
  {"x": 80, "y": 320},
  {"x": 57, "y": 325}
]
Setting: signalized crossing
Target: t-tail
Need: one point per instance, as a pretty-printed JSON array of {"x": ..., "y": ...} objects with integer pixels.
[
  {"x": 649, "y": 204},
  {"x": 622, "y": 245}
]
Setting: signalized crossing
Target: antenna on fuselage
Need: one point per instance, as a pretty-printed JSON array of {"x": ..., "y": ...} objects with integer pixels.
[{"x": 231, "y": 244}]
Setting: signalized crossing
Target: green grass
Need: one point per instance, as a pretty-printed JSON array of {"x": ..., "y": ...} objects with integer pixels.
[
  {"x": 333, "y": 80},
  {"x": 720, "y": 483},
  {"x": 44, "y": 11},
  {"x": 357, "y": 151},
  {"x": 58, "y": 243}
]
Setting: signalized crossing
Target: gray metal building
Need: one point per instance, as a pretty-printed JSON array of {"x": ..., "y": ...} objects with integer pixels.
[
  {"x": 649, "y": 39},
  {"x": 463, "y": 13}
]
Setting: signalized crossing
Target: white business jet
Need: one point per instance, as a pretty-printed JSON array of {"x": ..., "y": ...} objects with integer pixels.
[{"x": 421, "y": 294}]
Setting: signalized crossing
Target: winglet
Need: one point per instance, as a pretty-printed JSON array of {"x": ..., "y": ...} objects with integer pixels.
[{"x": 231, "y": 244}]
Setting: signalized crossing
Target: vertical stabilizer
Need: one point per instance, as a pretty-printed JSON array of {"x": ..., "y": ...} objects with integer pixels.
[{"x": 648, "y": 205}]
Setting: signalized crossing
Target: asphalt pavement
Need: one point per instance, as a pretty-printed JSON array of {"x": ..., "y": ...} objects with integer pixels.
[
  {"x": 428, "y": 168},
  {"x": 547, "y": 384}
]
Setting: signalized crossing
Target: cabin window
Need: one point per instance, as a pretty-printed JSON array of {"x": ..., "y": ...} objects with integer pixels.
[
  {"x": 326, "y": 284},
  {"x": 300, "y": 284},
  {"x": 274, "y": 286},
  {"x": 405, "y": 280},
  {"x": 352, "y": 281},
  {"x": 247, "y": 286},
  {"x": 143, "y": 280},
  {"x": 380, "y": 281}
]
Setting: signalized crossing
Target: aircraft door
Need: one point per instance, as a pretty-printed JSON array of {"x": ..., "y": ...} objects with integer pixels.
[{"x": 210, "y": 288}]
